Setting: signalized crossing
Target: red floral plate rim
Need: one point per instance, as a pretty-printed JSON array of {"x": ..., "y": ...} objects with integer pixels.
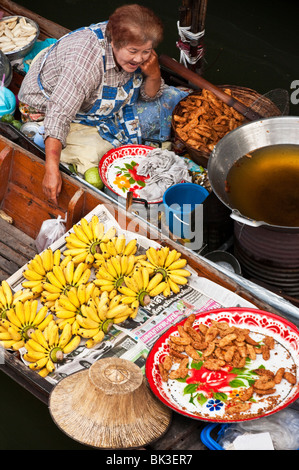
[
  {"x": 114, "y": 156},
  {"x": 259, "y": 322}
]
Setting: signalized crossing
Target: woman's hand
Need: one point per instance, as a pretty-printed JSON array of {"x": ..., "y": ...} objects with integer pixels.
[
  {"x": 151, "y": 70},
  {"x": 151, "y": 67},
  {"x": 52, "y": 182}
]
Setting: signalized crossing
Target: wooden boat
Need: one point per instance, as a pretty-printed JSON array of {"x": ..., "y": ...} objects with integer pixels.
[{"x": 22, "y": 200}]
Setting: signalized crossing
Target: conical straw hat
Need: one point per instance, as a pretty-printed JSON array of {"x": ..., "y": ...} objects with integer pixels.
[{"x": 109, "y": 406}]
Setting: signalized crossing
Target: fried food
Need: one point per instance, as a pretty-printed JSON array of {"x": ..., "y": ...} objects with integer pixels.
[
  {"x": 238, "y": 407},
  {"x": 291, "y": 378},
  {"x": 220, "y": 345},
  {"x": 203, "y": 119}
]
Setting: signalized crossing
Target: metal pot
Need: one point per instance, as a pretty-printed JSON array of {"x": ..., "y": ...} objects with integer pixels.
[
  {"x": 5, "y": 69},
  {"x": 242, "y": 140}
]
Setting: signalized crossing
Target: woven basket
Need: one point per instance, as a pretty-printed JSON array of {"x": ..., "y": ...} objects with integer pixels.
[{"x": 264, "y": 107}]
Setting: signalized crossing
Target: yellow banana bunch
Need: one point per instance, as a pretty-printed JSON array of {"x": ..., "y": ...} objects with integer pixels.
[
  {"x": 110, "y": 275},
  {"x": 68, "y": 305},
  {"x": 8, "y": 298},
  {"x": 37, "y": 269},
  {"x": 139, "y": 287},
  {"x": 48, "y": 347},
  {"x": 118, "y": 246},
  {"x": 99, "y": 315},
  {"x": 21, "y": 321},
  {"x": 61, "y": 279},
  {"x": 83, "y": 242},
  {"x": 170, "y": 264}
]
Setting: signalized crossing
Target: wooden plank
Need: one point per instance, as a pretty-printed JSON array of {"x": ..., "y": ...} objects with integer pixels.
[
  {"x": 11, "y": 257},
  {"x": 5, "y": 165},
  {"x": 17, "y": 240}
]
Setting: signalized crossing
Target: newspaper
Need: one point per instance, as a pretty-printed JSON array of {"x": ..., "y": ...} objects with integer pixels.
[{"x": 133, "y": 339}]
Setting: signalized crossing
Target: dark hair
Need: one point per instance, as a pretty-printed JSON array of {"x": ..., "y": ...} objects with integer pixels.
[{"x": 134, "y": 24}]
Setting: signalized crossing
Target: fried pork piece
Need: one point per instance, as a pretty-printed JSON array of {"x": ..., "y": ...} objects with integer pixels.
[
  {"x": 179, "y": 341},
  {"x": 202, "y": 328},
  {"x": 184, "y": 334},
  {"x": 270, "y": 342},
  {"x": 189, "y": 322},
  {"x": 163, "y": 372},
  {"x": 267, "y": 372},
  {"x": 213, "y": 364},
  {"x": 246, "y": 394},
  {"x": 251, "y": 341},
  {"x": 219, "y": 353},
  {"x": 165, "y": 366},
  {"x": 176, "y": 355},
  {"x": 211, "y": 334},
  {"x": 195, "y": 335},
  {"x": 227, "y": 339},
  {"x": 251, "y": 352},
  {"x": 181, "y": 371},
  {"x": 192, "y": 352},
  {"x": 279, "y": 375},
  {"x": 176, "y": 347},
  {"x": 291, "y": 378},
  {"x": 209, "y": 350},
  {"x": 167, "y": 363},
  {"x": 199, "y": 345},
  {"x": 226, "y": 331},
  {"x": 229, "y": 353},
  {"x": 222, "y": 326},
  {"x": 242, "y": 349},
  {"x": 264, "y": 392},
  {"x": 265, "y": 352},
  {"x": 264, "y": 383},
  {"x": 238, "y": 408}
]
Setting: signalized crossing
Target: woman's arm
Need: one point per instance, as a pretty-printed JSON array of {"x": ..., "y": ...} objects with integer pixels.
[
  {"x": 151, "y": 70},
  {"x": 52, "y": 181}
]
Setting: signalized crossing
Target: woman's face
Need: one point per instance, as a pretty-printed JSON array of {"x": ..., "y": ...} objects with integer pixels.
[{"x": 131, "y": 56}]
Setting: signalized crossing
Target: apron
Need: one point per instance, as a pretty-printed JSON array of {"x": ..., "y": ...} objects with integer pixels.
[{"x": 113, "y": 113}]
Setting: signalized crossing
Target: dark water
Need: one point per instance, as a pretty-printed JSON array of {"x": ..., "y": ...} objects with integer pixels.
[{"x": 248, "y": 43}]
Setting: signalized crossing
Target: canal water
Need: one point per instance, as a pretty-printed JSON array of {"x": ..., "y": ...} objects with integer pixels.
[{"x": 252, "y": 44}]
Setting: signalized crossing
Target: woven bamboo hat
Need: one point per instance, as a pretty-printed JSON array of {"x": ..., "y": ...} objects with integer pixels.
[{"x": 109, "y": 406}]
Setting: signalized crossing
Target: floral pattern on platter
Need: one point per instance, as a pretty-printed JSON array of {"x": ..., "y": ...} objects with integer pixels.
[
  {"x": 206, "y": 394},
  {"x": 118, "y": 169}
]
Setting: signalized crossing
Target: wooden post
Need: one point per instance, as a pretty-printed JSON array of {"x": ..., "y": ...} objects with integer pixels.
[{"x": 192, "y": 15}]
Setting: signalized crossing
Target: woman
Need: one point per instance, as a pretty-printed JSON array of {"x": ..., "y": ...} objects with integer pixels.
[{"x": 93, "y": 77}]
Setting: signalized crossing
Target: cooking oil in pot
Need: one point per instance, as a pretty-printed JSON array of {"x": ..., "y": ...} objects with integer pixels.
[{"x": 264, "y": 185}]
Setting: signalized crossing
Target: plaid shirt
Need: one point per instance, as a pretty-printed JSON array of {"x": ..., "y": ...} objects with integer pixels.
[{"x": 71, "y": 77}]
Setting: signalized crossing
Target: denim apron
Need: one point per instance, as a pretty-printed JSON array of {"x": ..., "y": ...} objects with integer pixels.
[{"x": 113, "y": 113}]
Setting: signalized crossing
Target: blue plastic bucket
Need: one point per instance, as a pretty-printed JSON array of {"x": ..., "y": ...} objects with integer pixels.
[
  {"x": 183, "y": 207},
  {"x": 7, "y": 101}
]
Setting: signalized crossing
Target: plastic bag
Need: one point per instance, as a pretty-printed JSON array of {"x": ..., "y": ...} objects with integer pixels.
[
  {"x": 283, "y": 428},
  {"x": 50, "y": 231}
]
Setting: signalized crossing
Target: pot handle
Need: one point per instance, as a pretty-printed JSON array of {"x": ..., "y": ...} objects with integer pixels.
[{"x": 245, "y": 220}]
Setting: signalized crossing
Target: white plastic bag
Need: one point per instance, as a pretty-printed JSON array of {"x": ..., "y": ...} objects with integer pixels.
[
  {"x": 50, "y": 231},
  {"x": 283, "y": 428}
]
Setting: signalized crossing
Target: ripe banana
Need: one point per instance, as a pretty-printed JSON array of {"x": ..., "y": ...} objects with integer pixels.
[
  {"x": 6, "y": 298},
  {"x": 83, "y": 243},
  {"x": 63, "y": 279},
  {"x": 22, "y": 321},
  {"x": 110, "y": 275},
  {"x": 170, "y": 264},
  {"x": 98, "y": 316},
  {"x": 140, "y": 287},
  {"x": 45, "y": 349},
  {"x": 38, "y": 267}
]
